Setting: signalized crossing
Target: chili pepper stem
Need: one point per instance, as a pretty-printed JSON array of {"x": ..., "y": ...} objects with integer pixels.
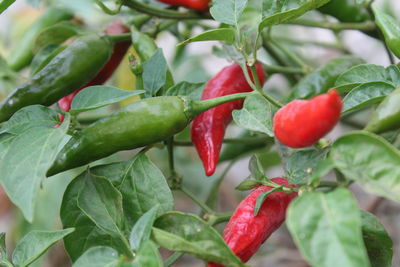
[
  {"x": 173, "y": 258},
  {"x": 197, "y": 107},
  {"x": 118, "y": 38},
  {"x": 203, "y": 206}
]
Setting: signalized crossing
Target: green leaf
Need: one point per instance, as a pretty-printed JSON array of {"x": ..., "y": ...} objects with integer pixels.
[
  {"x": 323, "y": 79},
  {"x": 34, "y": 244},
  {"x": 378, "y": 242},
  {"x": 4, "y": 4},
  {"x": 394, "y": 74},
  {"x": 256, "y": 168},
  {"x": 147, "y": 256},
  {"x": 261, "y": 198},
  {"x": 56, "y": 34},
  {"x": 224, "y": 34},
  {"x": 248, "y": 184},
  {"x": 98, "y": 256},
  {"x": 366, "y": 95},
  {"x": 3, "y": 249},
  {"x": 26, "y": 161},
  {"x": 142, "y": 186},
  {"x": 256, "y": 115},
  {"x": 277, "y": 12},
  {"x": 191, "y": 90},
  {"x": 154, "y": 73},
  {"x": 141, "y": 231},
  {"x": 390, "y": 28},
  {"x": 327, "y": 229},
  {"x": 98, "y": 96},
  {"x": 300, "y": 165},
  {"x": 29, "y": 117},
  {"x": 370, "y": 161},
  {"x": 102, "y": 203},
  {"x": 227, "y": 11},
  {"x": 187, "y": 233},
  {"x": 360, "y": 74},
  {"x": 87, "y": 234}
]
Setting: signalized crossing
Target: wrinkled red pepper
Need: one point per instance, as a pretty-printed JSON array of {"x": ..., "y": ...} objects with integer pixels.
[
  {"x": 116, "y": 27},
  {"x": 302, "y": 123},
  {"x": 200, "y": 5},
  {"x": 208, "y": 128},
  {"x": 245, "y": 233}
]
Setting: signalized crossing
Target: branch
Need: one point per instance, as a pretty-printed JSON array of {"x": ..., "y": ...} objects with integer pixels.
[{"x": 162, "y": 13}]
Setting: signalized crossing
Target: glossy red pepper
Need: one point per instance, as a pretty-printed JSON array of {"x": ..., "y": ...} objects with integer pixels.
[
  {"x": 302, "y": 123},
  {"x": 208, "y": 129},
  {"x": 245, "y": 233},
  {"x": 116, "y": 27},
  {"x": 200, "y": 5}
]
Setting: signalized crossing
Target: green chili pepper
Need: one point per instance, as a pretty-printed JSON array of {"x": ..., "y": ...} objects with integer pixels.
[
  {"x": 390, "y": 29},
  {"x": 69, "y": 70},
  {"x": 145, "y": 48},
  {"x": 44, "y": 56},
  {"x": 141, "y": 123},
  {"x": 22, "y": 53},
  {"x": 345, "y": 11},
  {"x": 387, "y": 115}
]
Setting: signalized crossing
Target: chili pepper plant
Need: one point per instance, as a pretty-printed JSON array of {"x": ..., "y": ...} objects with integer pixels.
[{"x": 121, "y": 146}]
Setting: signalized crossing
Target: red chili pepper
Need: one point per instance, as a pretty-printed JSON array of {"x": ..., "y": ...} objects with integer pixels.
[
  {"x": 245, "y": 233},
  {"x": 116, "y": 27},
  {"x": 302, "y": 123},
  {"x": 200, "y": 5},
  {"x": 208, "y": 128}
]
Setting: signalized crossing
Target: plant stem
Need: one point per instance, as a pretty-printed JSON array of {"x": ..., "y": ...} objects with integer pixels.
[
  {"x": 280, "y": 60},
  {"x": 170, "y": 148},
  {"x": 108, "y": 10},
  {"x": 366, "y": 26},
  {"x": 280, "y": 69},
  {"x": 220, "y": 218},
  {"x": 118, "y": 38},
  {"x": 259, "y": 89},
  {"x": 291, "y": 55},
  {"x": 213, "y": 196},
  {"x": 200, "y": 203},
  {"x": 336, "y": 46},
  {"x": 245, "y": 140},
  {"x": 162, "y": 13},
  {"x": 172, "y": 259}
]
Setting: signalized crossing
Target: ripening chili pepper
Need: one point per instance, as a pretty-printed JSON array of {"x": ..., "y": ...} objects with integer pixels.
[
  {"x": 208, "y": 129},
  {"x": 302, "y": 123},
  {"x": 69, "y": 70},
  {"x": 22, "y": 53},
  {"x": 386, "y": 117},
  {"x": 119, "y": 50},
  {"x": 245, "y": 233},
  {"x": 200, "y": 5},
  {"x": 139, "y": 124}
]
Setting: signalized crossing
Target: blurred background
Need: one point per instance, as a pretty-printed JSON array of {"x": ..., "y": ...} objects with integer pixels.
[{"x": 199, "y": 63}]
